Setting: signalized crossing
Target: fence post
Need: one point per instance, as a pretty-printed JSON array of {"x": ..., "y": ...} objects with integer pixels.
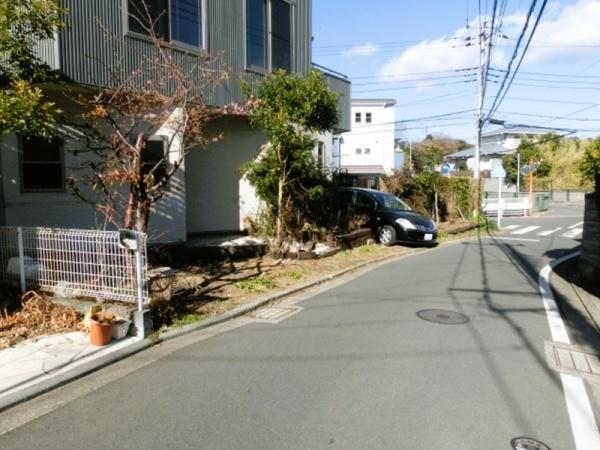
[
  {"x": 138, "y": 273},
  {"x": 21, "y": 258}
]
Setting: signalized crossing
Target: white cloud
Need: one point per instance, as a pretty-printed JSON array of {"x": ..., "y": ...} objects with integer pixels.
[
  {"x": 360, "y": 51},
  {"x": 575, "y": 25}
]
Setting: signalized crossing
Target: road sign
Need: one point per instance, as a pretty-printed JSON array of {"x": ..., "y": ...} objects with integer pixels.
[
  {"x": 498, "y": 171},
  {"x": 525, "y": 170}
]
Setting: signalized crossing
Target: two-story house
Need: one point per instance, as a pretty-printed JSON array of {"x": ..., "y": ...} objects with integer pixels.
[
  {"x": 251, "y": 37},
  {"x": 367, "y": 151},
  {"x": 495, "y": 144}
]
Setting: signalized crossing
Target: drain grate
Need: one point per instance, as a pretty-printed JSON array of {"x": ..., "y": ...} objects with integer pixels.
[
  {"x": 275, "y": 314},
  {"x": 524, "y": 443},
  {"x": 442, "y": 316}
]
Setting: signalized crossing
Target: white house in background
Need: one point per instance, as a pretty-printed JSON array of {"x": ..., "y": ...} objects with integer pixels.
[
  {"x": 494, "y": 145},
  {"x": 367, "y": 152}
]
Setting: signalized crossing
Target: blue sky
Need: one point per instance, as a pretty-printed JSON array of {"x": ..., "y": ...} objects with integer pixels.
[{"x": 415, "y": 53}]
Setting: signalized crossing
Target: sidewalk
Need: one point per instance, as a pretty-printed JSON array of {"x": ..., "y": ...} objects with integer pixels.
[
  {"x": 32, "y": 365},
  {"x": 581, "y": 312}
]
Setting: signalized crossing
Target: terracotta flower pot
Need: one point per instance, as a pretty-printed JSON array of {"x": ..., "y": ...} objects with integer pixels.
[{"x": 100, "y": 330}]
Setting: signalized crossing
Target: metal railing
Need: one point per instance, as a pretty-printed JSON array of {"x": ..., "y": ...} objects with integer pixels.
[{"x": 75, "y": 263}]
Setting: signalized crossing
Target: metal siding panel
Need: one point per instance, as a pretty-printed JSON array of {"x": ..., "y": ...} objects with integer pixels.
[
  {"x": 343, "y": 87},
  {"x": 87, "y": 53},
  {"x": 46, "y": 50}
]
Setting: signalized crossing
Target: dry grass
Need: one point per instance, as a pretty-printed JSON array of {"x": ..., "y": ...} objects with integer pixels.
[{"x": 38, "y": 316}]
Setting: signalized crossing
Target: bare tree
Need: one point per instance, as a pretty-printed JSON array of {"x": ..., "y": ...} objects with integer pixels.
[{"x": 120, "y": 124}]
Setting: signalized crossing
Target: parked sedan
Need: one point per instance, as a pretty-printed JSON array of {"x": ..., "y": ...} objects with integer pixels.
[{"x": 391, "y": 219}]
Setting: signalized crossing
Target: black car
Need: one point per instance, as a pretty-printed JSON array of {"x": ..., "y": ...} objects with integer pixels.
[{"x": 391, "y": 219}]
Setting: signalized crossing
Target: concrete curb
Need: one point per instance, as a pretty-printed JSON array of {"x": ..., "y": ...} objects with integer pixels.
[
  {"x": 111, "y": 358},
  {"x": 72, "y": 374}
]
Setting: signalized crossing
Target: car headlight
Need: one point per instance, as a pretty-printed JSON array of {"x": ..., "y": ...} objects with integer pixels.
[{"x": 406, "y": 224}]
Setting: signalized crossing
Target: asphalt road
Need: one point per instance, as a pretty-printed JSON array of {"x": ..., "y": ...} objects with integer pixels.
[{"x": 356, "y": 368}]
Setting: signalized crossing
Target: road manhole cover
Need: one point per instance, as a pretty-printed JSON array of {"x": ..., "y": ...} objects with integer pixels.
[
  {"x": 442, "y": 316},
  {"x": 523, "y": 443}
]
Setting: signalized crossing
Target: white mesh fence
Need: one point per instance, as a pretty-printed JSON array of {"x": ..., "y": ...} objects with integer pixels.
[{"x": 73, "y": 263}]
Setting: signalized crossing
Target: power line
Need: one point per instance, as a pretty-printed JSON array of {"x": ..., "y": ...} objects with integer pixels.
[
  {"x": 514, "y": 56},
  {"x": 465, "y": 69},
  {"x": 498, "y": 100},
  {"x": 545, "y": 100},
  {"x": 439, "y": 99},
  {"x": 412, "y": 87},
  {"x": 417, "y": 119},
  {"x": 411, "y": 80},
  {"x": 543, "y": 116},
  {"x": 548, "y": 74}
]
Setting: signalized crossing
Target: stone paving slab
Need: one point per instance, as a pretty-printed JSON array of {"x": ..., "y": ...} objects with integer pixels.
[
  {"x": 571, "y": 360},
  {"x": 31, "y": 362}
]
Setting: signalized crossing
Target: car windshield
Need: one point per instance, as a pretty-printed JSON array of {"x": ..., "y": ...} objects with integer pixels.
[{"x": 390, "y": 201}]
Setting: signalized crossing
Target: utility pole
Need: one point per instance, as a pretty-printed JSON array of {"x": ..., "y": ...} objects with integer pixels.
[
  {"x": 480, "y": 98},
  {"x": 482, "y": 42}
]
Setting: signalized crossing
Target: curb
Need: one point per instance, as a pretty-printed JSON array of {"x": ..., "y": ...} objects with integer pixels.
[{"x": 95, "y": 364}]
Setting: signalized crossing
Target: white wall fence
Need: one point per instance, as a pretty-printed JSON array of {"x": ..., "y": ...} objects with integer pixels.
[
  {"x": 73, "y": 263},
  {"x": 507, "y": 206}
]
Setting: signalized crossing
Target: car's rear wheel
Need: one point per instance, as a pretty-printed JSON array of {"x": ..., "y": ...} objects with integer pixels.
[{"x": 387, "y": 235}]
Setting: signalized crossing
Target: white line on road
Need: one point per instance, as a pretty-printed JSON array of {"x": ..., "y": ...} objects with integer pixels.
[
  {"x": 549, "y": 232},
  {"x": 526, "y": 230},
  {"x": 573, "y": 233},
  {"x": 516, "y": 239},
  {"x": 583, "y": 423},
  {"x": 511, "y": 227},
  {"x": 575, "y": 225}
]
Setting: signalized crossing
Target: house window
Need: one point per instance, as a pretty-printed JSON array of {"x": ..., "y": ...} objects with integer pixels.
[
  {"x": 358, "y": 151},
  {"x": 154, "y": 153},
  {"x": 281, "y": 35},
  {"x": 321, "y": 154},
  {"x": 256, "y": 36},
  {"x": 41, "y": 164},
  {"x": 367, "y": 151},
  {"x": 368, "y": 117},
  {"x": 357, "y": 117},
  {"x": 186, "y": 22},
  {"x": 174, "y": 20}
]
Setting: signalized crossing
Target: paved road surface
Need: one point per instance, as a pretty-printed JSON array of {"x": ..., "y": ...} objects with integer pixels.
[{"x": 356, "y": 368}]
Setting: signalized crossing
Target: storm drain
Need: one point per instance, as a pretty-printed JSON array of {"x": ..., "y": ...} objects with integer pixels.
[
  {"x": 571, "y": 360},
  {"x": 275, "y": 314},
  {"x": 524, "y": 443},
  {"x": 442, "y": 316}
]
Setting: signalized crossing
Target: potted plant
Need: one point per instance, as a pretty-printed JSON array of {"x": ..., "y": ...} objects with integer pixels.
[
  {"x": 120, "y": 328},
  {"x": 101, "y": 326}
]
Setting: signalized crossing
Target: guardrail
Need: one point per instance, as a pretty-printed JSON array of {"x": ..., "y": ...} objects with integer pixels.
[
  {"x": 508, "y": 207},
  {"x": 75, "y": 263}
]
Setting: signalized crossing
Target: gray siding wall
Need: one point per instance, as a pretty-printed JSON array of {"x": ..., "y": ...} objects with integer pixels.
[
  {"x": 87, "y": 54},
  {"x": 343, "y": 87}
]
